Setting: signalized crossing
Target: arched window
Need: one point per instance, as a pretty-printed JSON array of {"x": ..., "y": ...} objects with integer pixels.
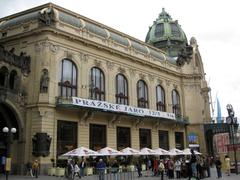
[
  {"x": 67, "y": 85},
  {"x": 12, "y": 79},
  {"x": 160, "y": 98},
  {"x": 142, "y": 94},
  {"x": 3, "y": 76},
  {"x": 121, "y": 89},
  {"x": 176, "y": 102},
  {"x": 97, "y": 84}
]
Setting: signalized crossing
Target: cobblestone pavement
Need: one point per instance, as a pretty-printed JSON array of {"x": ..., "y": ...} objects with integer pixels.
[{"x": 43, "y": 177}]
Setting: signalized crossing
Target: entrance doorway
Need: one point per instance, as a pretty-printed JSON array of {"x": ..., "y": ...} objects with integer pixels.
[{"x": 7, "y": 119}]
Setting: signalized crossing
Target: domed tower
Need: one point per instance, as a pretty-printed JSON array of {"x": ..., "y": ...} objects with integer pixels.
[{"x": 167, "y": 34}]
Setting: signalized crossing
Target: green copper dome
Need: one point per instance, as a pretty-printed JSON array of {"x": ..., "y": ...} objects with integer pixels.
[{"x": 167, "y": 34}]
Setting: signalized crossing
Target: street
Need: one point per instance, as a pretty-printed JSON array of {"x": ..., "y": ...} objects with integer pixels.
[{"x": 44, "y": 177}]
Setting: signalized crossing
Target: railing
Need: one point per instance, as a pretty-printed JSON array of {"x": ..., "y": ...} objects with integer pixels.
[
  {"x": 63, "y": 100},
  {"x": 114, "y": 174},
  {"x": 183, "y": 119}
]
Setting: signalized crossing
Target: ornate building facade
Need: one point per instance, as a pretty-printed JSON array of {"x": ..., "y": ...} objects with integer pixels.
[{"x": 69, "y": 81}]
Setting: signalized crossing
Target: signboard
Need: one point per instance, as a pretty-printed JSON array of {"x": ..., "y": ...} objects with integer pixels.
[
  {"x": 103, "y": 105},
  {"x": 220, "y": 141},
  {"x": 193, "y": 138},
  {"x": 8, "y": 164}
]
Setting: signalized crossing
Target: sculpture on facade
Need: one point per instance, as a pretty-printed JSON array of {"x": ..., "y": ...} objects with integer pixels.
[
  {"x": 46, "y": 16},
  {"x": 44, "y": 81},
  {"x": 41, "y": 144}
]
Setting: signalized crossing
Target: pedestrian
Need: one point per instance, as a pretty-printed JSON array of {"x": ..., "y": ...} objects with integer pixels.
[
  {"x": 29, "y": 169},
  {"x": 76, "y": 170},
  {"x": 149, "y": 166},
  {"x": 101, "y": 169},
  {"x": 35, "y": 168},
  {"x": 70, "y": 169},
  {"x": 82, "y": 166},
  {"x": 218, "y": 164},
  {"x": 139, "y": 169},
  {"x": 227, "y": 164},
  {"x": 193, "y": 164},
  {"x": 161, "y": 169},
  {"x": 115, "y": 169},
  {"x": 177, "y": 167}
]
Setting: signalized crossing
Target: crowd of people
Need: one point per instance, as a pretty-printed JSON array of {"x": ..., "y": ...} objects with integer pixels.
[{"x": 177, "y": 167}]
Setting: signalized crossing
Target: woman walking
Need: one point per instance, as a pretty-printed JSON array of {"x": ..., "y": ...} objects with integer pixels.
[{"x": 227, "y": 165}]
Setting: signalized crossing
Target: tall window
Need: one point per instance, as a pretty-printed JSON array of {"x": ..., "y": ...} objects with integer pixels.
[
  {"x": 3, "y": 76},
  {"x": 179, "y": 140},
  {"x": 176, "y": 103},
  {"x": 163, "y": 139},
  {"x": 121, "y": 90},
  {"x": 145, "y": 138},
  {"x": 142, "y": 94},
  {"x": 175, "y": 30},
  {"x": 123, "y": 137},
  {"x": 159, "y": 31},
  {"x": 97, "y": 84},
  {"x": 12, "y": 79},
  {"x": 67, "y": 85},
  {"x": 97, "y": 136},
  {"x": 66, "y": 136},
  {"x": 160, "y": 98}
]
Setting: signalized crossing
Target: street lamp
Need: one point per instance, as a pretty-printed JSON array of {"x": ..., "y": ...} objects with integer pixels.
[
  {"x": 9, "y": 133},
  {"x": 231, "y": 121}
]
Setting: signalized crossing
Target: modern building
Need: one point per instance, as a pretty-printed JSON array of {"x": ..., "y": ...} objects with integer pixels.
[{"x": 69, "y": 81}]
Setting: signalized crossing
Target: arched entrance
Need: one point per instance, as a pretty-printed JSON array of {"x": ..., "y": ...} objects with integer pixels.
[{"x": 7, "y": 119}]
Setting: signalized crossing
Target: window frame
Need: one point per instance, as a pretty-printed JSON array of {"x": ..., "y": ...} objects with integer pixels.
[
  {"x": 121, "y": 97},
  {"x": 67, "y": 86},
  {"x": 161, "y": 106},
  {"x": 97, "y": 93},
  {"x": 142, "y": 89}
]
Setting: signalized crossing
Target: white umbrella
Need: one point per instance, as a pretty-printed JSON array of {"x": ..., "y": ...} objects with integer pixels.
[
  {"x": 147, "y": 151},
  {"x": 161, "y": 151},
  {"x": 107, "y": 151},
  {"x": 175, "y": 152},
  {"x": 81, "y": 151},
  {"x": 129, "y": 151},
  {"x": 187, "y": 151}
]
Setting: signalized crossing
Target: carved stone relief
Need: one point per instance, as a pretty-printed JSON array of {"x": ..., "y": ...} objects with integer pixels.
[
  {"x": 97, "y": 63},
  {"x": 150, "y": 77},
  {"x": 122, "y": 70},
  {"x": 110, "y": 65}
]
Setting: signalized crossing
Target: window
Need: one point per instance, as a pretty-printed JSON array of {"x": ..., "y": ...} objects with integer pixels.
[
  {"x": 12, "y": 79},
  {"x": 179, "y": 141},
  {"x": 97, "y": 137},
  {"x": 123, "y": 137},
  {"x": 160, "y": 98},
  {"x": 159, "y": 31},
  {"x": 145, "y": 138},
  {"x": 97, "y": 84},
  {"x": 67, "y": 84},
  {"x": 175, "y": 30},
  {"x": 121, "y": 90},
  {"x": 176, "y": 103},
  {"x": 66, "y": 136},
  {"x": 3, "y": 76},
  {"x": 163, "y": 139},
  {"x": 142, "y": 94}
]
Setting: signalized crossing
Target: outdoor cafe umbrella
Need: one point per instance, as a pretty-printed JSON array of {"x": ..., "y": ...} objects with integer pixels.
[
  {"x": 187, "y": 151},
  {"x": 161, "y": 151},
  {"x": 81, "y": 151},
  {"x": 147, "y": 151},
  {"x": 130, "y": 151},
  {"x": 175, "y": 152},
  {"x": 107, "y": 151}
]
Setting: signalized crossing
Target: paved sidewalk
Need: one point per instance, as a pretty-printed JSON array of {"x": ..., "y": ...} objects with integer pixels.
[{"x": 43, "y": 177}]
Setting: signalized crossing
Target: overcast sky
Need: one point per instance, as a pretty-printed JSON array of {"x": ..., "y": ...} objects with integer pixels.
[{"x": 214, "y": 23}]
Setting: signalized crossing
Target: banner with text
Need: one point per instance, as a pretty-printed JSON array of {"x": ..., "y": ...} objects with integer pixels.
[{"x": 103, "y": 105}]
